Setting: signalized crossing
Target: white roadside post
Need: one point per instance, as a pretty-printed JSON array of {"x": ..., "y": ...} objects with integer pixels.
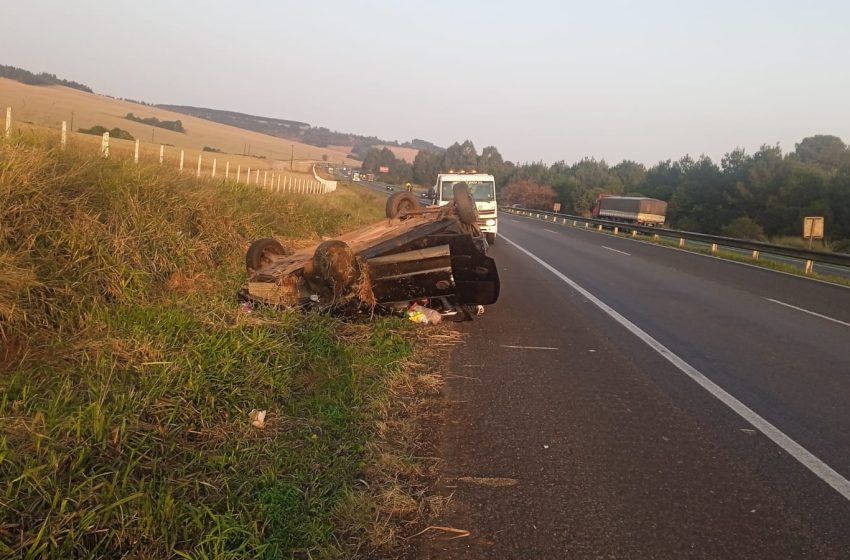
[
  {"x": 182, "y": 153},
  {"x": 265, "y": 178},
  {"x": 278, "y": 183},
  {"x": 63, "y": 142},
  {"x": 257, "y": 177},
  {"x": 227, "y": 171},
  {"x": 136, "y": 152},
  {"x": 238, "y": 172},
  {"x": 104, "y": 145},
  {"x": 199, "y": 166},
  {"x": 8, "y": 122},
  {"x": 161, "y": 153},
  {"x": 213, "y": 169},
  {"x": 248, "y": 177}
]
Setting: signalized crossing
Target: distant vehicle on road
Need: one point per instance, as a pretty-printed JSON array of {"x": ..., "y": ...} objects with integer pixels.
[
  {"x": 355, "y": 176},
  {"x": 630, "y": 209},
  {"x": 390, "y": 188}
]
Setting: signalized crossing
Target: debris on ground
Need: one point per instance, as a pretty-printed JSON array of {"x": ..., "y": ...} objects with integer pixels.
[{"x": 258, "y": 418}]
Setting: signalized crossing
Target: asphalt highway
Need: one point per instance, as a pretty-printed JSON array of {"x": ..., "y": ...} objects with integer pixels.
[{"x": 625, "y": 400}]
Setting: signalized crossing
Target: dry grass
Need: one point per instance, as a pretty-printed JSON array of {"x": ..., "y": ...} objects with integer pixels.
[
  {"x": 407, "y": 154},
  {"x": 50, "y": 105}
]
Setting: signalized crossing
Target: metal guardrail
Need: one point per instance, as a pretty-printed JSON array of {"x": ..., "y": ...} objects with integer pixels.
[{"x": 756, "y": 247}]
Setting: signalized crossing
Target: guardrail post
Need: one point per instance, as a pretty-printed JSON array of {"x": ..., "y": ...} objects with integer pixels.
[
  {"x": 755, "y": 255},
  {"x": 104, "y": 145},
  {"x": 238, "y": 172},
  {"x": 8, "y": 132},
  {"x": 616, "y": 230},
  {"x": 161, "y": 153},
  {"x": 257, "y": 177},
  {"x": 810, "y": 267},
  {"x": 265, "y": 176},
  {"x": 681, "y": 243},
  {"x": 714, "y": 248},
  {"x": 213, "y": 169},
  {"x": 136, "y": 152},
  {"x": 586, "y": 225},
  {"x": 63, "y": 142},
  {"x": 199, "y": 165},
  {"x": 181, "y": 160},
  {"x": 655, "y": 237},
  {"x": 634, "y": 233},
  {"x": 599, "y": 227},
  {"x": 227, "y": 171},
  {"x": 575, "y": 223}
]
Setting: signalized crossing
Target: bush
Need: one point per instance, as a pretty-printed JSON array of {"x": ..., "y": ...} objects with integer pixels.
[
  {"x": 744, "y": 228},
  {"x": 98, "y": 130},
  {"x": 841, "y": 246},
  {"x": 176, "y": 126},
  {"x": 211, "y": 149}
]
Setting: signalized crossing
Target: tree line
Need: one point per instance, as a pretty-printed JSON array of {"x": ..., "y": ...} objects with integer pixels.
[
  {"x": 41, "y": 79},
  {"x": 761, "y": 195}
]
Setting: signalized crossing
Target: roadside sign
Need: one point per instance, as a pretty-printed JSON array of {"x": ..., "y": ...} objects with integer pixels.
[
  {"x": 813, "y": 227},
  {"x": 384, "y": 169},
  {"x": 557, "y": 207}
]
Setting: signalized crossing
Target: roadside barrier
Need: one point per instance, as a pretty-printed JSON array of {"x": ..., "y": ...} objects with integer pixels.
[{"x": 714, "y": 241}]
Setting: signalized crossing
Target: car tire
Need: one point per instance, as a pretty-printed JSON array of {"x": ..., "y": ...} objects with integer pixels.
[
  {"x": 400, "y": 203},
  {"x": 335, "y": 264},
  {"x": 260, "y": 252},
  {"x": 465, "y": 204}
]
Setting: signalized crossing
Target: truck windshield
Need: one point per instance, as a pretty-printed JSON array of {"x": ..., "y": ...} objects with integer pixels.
[{"x": 481, "y": 191}]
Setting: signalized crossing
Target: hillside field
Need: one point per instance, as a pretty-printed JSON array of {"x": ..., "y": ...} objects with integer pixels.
[{"x": 50, "y": 105}]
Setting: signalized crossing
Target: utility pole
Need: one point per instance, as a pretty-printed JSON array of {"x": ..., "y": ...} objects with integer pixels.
[{"x": 291, "y": 157}]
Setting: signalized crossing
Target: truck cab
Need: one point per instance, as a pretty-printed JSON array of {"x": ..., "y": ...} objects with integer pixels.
[{"x": 482, "y": 187}]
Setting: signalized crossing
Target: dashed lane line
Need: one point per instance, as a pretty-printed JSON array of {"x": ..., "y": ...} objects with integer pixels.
[
  {"x": 617, "y": 251},
  {"x": 797, "y": 451},
  {"x": 809, "y": 312}
]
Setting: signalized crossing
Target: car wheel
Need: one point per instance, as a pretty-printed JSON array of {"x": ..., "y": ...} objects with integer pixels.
[
  {"x": 260, "y": 253},
  {"x": 401, "y": 203},
  {"x": 464, "y": 204}
]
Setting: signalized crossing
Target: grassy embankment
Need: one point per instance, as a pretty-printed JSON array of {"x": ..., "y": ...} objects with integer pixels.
[{"x": 128, "y": 372}]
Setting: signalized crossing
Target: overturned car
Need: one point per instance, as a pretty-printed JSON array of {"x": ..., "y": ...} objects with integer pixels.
[{"x": 436, "y": 254}]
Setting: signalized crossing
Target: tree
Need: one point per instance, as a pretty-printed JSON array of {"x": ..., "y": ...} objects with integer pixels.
[
  {"x": 426, "y": 165},
  {"x": 460, "y": 157},
  {"x": 529, "y": 194},
  {"x": 823, "y": 150},
  {"x": 630, "y": 174}
]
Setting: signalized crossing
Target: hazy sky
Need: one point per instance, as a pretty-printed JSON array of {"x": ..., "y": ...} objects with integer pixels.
[{"x": 540, "y": 80}]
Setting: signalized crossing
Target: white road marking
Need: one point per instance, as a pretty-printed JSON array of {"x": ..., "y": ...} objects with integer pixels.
[
  {"x": 551, "y": 231},
  {"x": 529, "y": 347},
  {"x": 809, "y": 312},
  {"x": 617, "y": 251},
  {"x": 801, "y": 454}
]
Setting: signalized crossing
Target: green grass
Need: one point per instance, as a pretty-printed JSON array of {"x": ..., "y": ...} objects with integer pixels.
[{"x": 128, "y": 372}]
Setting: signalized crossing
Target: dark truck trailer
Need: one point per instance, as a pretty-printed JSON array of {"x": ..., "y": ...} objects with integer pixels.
[{"x": 631, "y": 209}]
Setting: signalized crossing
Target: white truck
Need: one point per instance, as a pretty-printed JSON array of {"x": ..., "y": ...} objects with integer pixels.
[{"x": 482, "y": 187}]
